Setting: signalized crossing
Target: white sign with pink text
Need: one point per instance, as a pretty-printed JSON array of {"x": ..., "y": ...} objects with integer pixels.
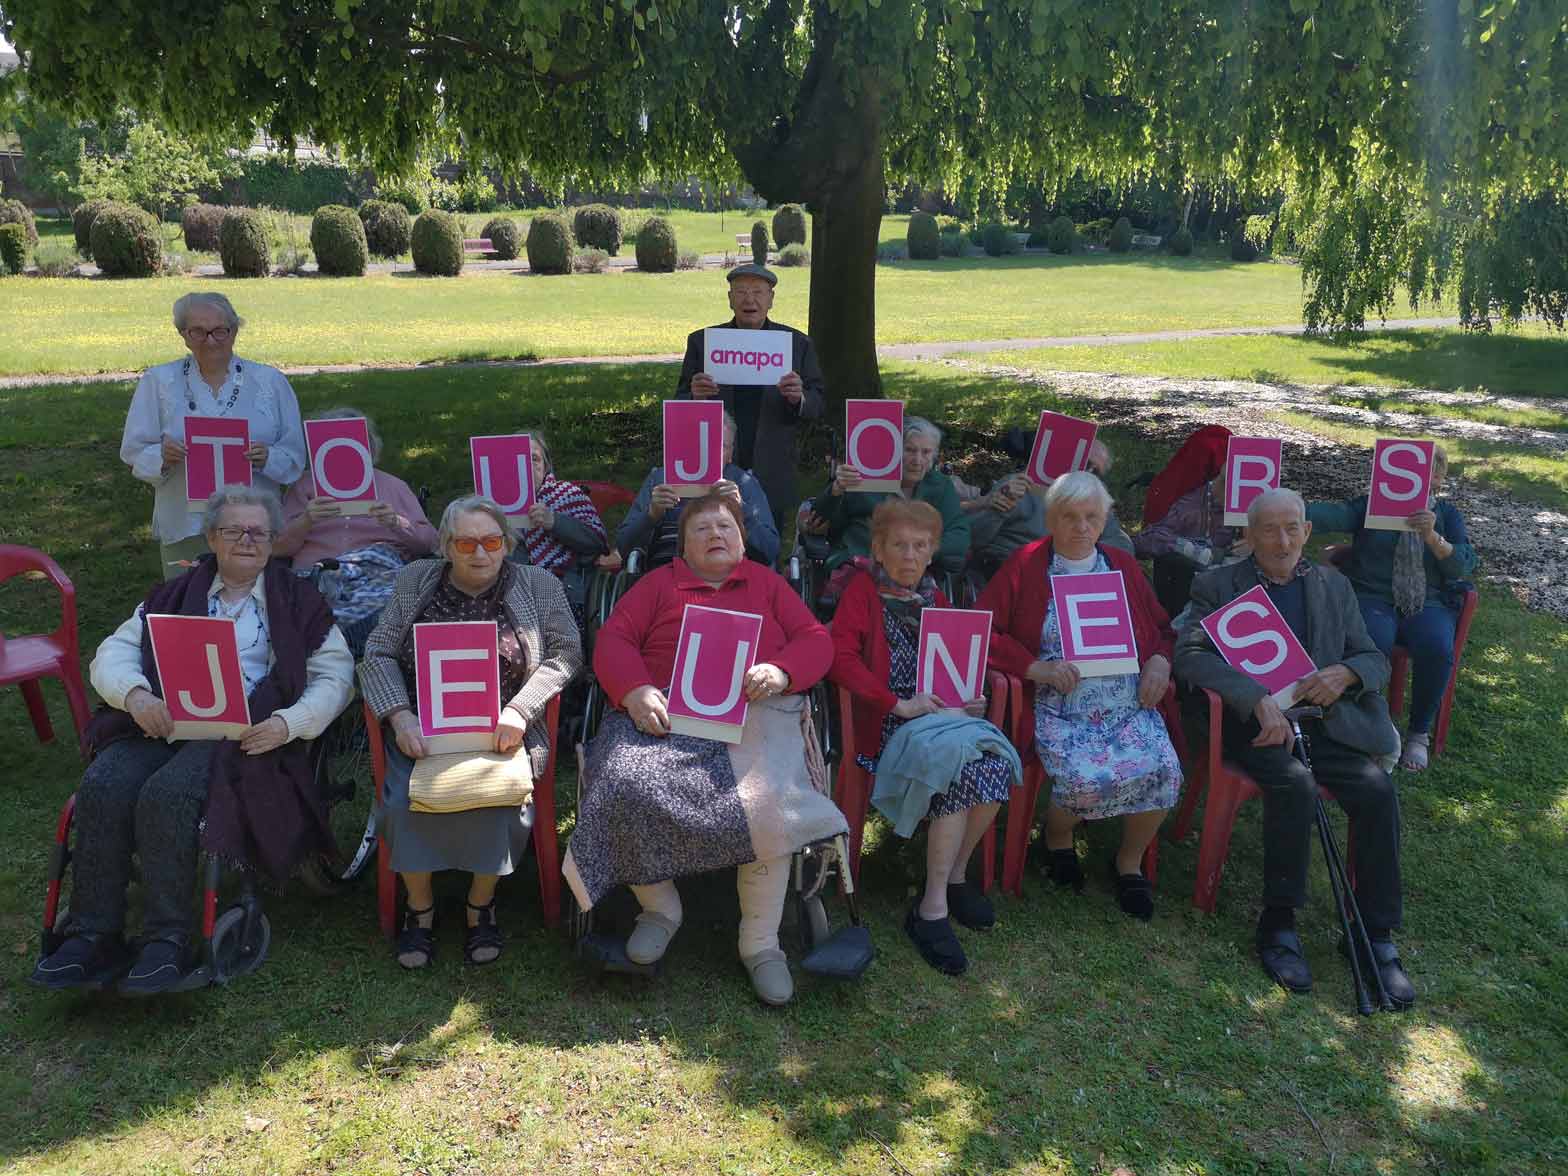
[
  {"x": 1252, "y": 636},
  {"x": 874, "y": 443},
  {"x": 707, "y": 695},
  {"x": 1401, "y": 482},
  {"x": 954, "y": 644},
  {"x": 734, "y": 355},
  {"x": 1096, "y": 623}
]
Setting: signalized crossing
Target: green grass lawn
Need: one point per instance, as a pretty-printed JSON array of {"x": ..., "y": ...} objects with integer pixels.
[
  {"x": 1525, "y": 362},
  {"x": 1079, "y": 1041},
  {"x": 77, "y": 325}
]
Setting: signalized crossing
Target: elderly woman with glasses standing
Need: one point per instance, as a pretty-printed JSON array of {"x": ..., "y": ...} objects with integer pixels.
[
  {"x": 540, "y": 653},
  {"x": 252, "y": 800},
  {"x": 210, "y": 381}
]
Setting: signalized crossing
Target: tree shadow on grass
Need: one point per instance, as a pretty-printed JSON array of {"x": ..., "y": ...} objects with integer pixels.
[{"x": 1503, "y": 363}]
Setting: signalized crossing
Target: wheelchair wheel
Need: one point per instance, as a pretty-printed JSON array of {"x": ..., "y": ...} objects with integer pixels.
[
  {"x": 811, "y": 916},
  {"x": 232, "y": 954},
  {"x": 340, "y": 759}
]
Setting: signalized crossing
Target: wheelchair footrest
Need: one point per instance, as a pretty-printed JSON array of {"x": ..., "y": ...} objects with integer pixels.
[{"x": 844, "y": 955}]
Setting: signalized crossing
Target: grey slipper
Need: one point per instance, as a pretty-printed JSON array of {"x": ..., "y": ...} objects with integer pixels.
[
  {"x": 650, "y": 938},
  {"x": 770, "y": 976},
  {"x": 1417, "y": 750}
]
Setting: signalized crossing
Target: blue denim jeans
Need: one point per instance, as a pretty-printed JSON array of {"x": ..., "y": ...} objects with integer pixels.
[{"x": 1429, "y": 636}]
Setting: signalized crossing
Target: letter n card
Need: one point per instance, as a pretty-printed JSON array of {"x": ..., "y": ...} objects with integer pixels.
[{"x": 954, "y": 644}]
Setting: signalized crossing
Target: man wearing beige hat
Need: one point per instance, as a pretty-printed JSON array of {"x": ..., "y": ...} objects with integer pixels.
[{"x": 766, "y": 415}]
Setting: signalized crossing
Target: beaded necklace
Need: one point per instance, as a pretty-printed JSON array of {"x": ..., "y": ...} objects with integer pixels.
[{"x": 223, "y": 410}]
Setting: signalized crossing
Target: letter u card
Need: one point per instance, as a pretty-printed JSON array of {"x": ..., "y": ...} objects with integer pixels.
[
  {"x": 198, "y": 662},
  {"x": 708, "y": 686}
]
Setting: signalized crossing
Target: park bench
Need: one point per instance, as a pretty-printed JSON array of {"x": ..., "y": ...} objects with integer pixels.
[
  {"x": 1146, "y": 241},
  {"x": 476, "y": 245}
]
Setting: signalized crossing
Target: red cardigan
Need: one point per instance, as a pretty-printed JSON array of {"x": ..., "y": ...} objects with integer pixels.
[
  {"x": 636, "y": 647},
  {"x": 862, "y": 664},
  {"x": 1017, "y": 598}
]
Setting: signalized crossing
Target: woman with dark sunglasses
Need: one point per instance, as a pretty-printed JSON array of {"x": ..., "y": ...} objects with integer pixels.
[{"x": 539, "y": 653}]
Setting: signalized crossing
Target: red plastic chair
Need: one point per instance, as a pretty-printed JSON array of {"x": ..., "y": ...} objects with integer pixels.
[
  {"x": 852, "y": 790},
  {"x": 547, "y": 848},
  {"x": 1399, "y": 660},
  {"x": 605, "y": 495},
  {"x": 24, "y": 660},
  {"x": 1026, "y": 796},
  {"x": 1228, "y": 789}
]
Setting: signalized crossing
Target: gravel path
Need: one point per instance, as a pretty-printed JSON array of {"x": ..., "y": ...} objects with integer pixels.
[{"x": 1523, "y": 545}]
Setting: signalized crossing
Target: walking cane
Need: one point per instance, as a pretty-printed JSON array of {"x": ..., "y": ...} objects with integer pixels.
[{"x": 1350, "y": 921}]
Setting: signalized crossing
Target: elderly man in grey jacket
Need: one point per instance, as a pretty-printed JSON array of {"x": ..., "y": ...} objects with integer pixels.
[{"x": 1320, "y": 607}]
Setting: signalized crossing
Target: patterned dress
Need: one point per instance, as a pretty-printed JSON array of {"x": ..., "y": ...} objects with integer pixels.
[
  {"x": 1106, "y": 755},
  {"x": 987, "y": 780}
]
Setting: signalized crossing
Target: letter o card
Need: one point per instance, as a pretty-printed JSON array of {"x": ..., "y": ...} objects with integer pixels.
[
  {"x": 1061, "y": 446},
  {"x": 504, "y": 471},
  {"x": 457, "y": 685},
  {"x": 1252, "y": 636},
  {"x": 215, "y": 456},
  {"x": 1401, "y": 483},
  {"x": 693, "y": 445},
  {"x": 1252, "y": 465},
  {"x": 198, "y": 661},
  {"x": 733, "y": 355},
  {"x": 1096, "y": 623},
  {"x": 340, "y": 464},
  {"x": 708, "y": 686},
  {"x": 954, "y": 645},
  {"x": 874, "y": 442}
]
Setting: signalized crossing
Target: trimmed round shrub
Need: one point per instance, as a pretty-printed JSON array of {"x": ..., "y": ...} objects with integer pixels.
[
  {"x": 1241, "y": 249},
  {"x": 789, "y": 226},
  {"x": 1181, "y": 241},
  {"x": 14, "y": 212},
  {"x": 591, "y": 261},
  {"x": 242, "y": 244},
  {"x": 656, "y": 252},
  {"x": 506, "y": 239},
  {"x": 923, "y": 239},
  {"x": 598, "y": 226},
  {"x": 549, "y": 244},
  {"x": 759, "y": 243},
  {"x": 82, "y": 224},
  {"x": 388, "y": 227},
  {"x": 126, "y": 242},
  {"x": 953, "y": 243},
  {"x": 437, "y": 243},
  {"x": 13, "y": 248},
  {"x": 997, "y": 240},
  {"x": 793, "y": 255},
  {"x": 1120, "y": 240},
  {"x": 201, "y": 224},
  {"x": 1061, "y": 235},
  {"x": 337, "y": 238}
]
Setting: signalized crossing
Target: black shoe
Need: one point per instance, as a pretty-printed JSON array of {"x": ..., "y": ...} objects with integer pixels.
[
  {"x": 969, "y": 905},
  {"x": 1280, "y": 953},
  {"x": 483, "y": 936},
  {"x": 937, "y": 943},
  {"x": 416, "y": 945},
  {"x": 1064, "y": 869},
  {"x": 1401, "y": 992},
  {"x": 1134, "y": 893},
  {"x": 82, "y": 961},
  {"x": 158, "y": 968}
]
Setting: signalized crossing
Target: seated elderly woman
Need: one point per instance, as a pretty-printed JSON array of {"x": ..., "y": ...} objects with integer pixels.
[
  {"x": 1409, "y": 585},
  {"x": 370, "y": 549},
  {"x": 539, "y": 652},
  {"x": 1099, "y": 739},
  {"x": 1184, "y": 527},
  {"x": 563, "y": 533},
  {"x": 162, "y": 800},
  {"x": 876, "y": 640},
  {"x": 847, "y": 512},
  {"x": 653, "y": 520},
  {"x": 655, "y": 806}
]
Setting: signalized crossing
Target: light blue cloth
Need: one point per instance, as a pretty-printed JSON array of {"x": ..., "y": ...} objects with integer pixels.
[{"x": 924, "y": 756}]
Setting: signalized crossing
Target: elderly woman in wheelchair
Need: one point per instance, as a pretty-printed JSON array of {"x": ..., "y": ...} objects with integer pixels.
[
  {"x": 250, "y": 800},
  {"x": 657, "y": 805},
  {"x": 363, "y": 553}
]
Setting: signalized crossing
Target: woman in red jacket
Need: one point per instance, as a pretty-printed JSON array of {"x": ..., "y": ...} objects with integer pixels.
[
  {"x": 1099, "y": 739},
  {"x": 655, "y": 806},
  {"x": 876, "y": 635}
]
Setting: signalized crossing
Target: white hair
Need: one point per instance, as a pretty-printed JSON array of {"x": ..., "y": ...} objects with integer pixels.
[
  {"x": 185, "y": 303},
  {"x": 345, "y": 413},
  {"x": 729, "y": 426},
  {"x": 1078, "y": 486},
  {"x": 920, "y": 427},
  {"x": 1278, "y": 496},
  {"x": 236, "y": 495},
  {"x": 474, "y": 504}
]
